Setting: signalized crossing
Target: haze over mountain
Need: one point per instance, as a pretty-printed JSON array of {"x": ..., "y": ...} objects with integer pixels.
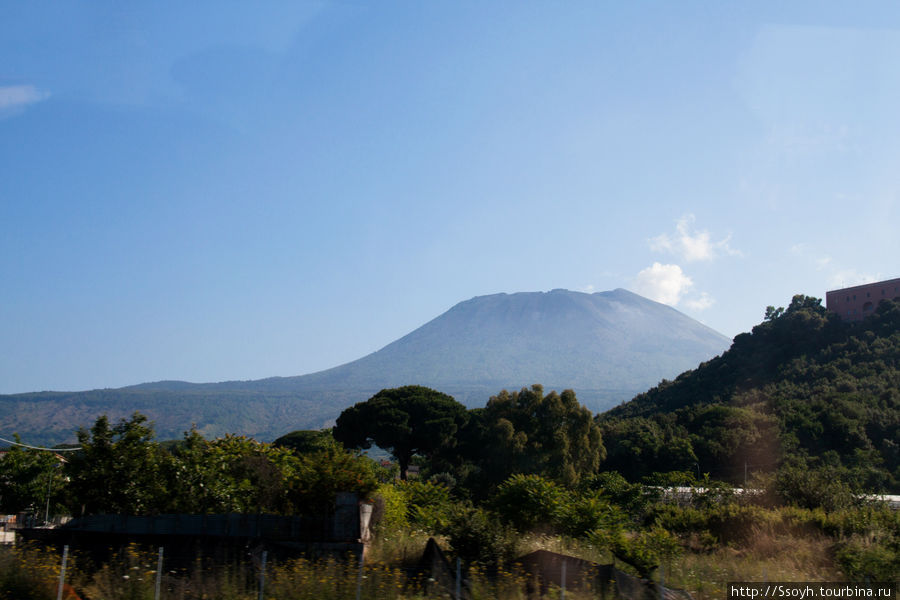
[{"x": 607, "y": 346}]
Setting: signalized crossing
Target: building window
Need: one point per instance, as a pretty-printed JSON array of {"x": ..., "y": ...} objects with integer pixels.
[{"x": 867, "y": 306}]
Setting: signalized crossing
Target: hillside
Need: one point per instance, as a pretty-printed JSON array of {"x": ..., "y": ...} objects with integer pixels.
[
  {"x": 803, "y": 388},
  {"x": 607, "y": 346}
]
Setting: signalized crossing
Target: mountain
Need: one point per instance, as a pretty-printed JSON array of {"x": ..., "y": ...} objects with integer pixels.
[
  {"x": 804, "y": 389},
  {"x": 607, "y": 346}
]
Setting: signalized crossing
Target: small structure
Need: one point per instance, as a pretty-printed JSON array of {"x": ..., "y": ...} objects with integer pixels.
[{"x": 858, "y": 302}]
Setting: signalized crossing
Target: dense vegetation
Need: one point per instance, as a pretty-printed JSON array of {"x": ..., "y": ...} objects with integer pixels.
[
  {"x": 121, "y": 468},
  {"x": 804, "y": 390}
]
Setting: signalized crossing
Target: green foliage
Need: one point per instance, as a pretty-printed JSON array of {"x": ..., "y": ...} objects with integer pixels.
[
  {"x": 118, "y": 470},
  {"x": 863, "y": 560},
  {"x": 591, "y": 512},
  {"x": 429, "y": 504},
  {"x": 230, "y": 474},
  {"x": 121, "y": 469},
  {"x": 319, "y": 476},
  {"x": 408, "y": 420},
  {"x": 644, "y": 550},
  {"x": 817, "y": 488},
  {"x": 391, "y": 508},
  {"x": 477, "y": 536},
  {"x": 530, "y": 502},
  {"x": 28, "y": 479},
  {"x": 639, "y": 446},
  {"x": 634, "y": 499},
  {"x": 307, "y": 440},
  {"x": 803, "y": 388},
  {"x": 527, "y": 432}
]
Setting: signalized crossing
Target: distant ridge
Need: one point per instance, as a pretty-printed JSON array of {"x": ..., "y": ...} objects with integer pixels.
[{"x": 608, "y": 346}]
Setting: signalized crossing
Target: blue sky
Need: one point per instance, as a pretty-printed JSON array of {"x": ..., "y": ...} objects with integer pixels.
[{"x": 220, "y": 190}]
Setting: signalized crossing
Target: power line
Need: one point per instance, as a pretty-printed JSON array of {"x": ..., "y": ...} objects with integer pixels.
[{"x": 38, "y": 447}]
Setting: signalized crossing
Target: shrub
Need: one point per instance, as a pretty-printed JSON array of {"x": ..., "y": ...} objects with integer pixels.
[
  {"x": 634, "y": 498},
  {"x": 529, "y": 502},
  {"x": 817, "y": 488},
  {"x": 477, "y": 536},
  {"x": 644, "y": 550},
  {"x": 586, "y": 513},
  {"x": 390, "y": 509},
  {"x": 428, "y": 504},
  {"x": 865, "y": 560}
]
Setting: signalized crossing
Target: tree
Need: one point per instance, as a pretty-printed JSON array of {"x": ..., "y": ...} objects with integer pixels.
[
  {"x": 120, "y": 469},
  {"x": 321, "y": 474},
  {"x": 29, "y": 478},
  {"x": 406, "y": 421},
  {"x": 304, "y": 441},
  {"x": 527, "y": 432},
  {"x": 230, "y": 474}
]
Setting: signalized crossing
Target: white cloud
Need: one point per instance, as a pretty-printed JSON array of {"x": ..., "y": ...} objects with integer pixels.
[
  {"x": 838, "y": 275},
  {"x": 692, "y": 245},
  {"x": 701, "y": 302},
  {"x": 14, "y": 97},
  {"x": 663, "y": 283},
  {"x": 587, "y": 289}
]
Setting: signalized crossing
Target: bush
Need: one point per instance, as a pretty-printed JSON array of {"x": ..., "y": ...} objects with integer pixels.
[
  {"x": 428, "y": 504},
  {"x": 644, "y": 550},
  {"x": 737, "y": 523},
  {"x": 634, "y": 498},
  {"x": 818, "y": 488},
  {"x": 588, "y": 513},
  {"x": 680, "y": 519},
  {"x": 862, "y": 560},
  {"x": 390, "y": 509},
  {"x": 477, "y": 536},
  {"x": 530, "y": 502}
]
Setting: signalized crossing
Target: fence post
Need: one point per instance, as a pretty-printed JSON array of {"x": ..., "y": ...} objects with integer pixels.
[
  {"x": 562, "y": 590},
  {"x": 262, "y": 574},
  {"x": 159, "y": 563},
  {"x": 62, "y": 572},
  {"x": 362, "y": 559}
]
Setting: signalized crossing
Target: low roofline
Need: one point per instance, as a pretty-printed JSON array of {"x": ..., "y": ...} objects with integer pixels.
[{"x": 865, "y": 285}]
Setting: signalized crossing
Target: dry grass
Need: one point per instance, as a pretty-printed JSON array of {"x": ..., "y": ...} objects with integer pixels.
[
  {"x": 765, "y": 557},
  {"x": 769, "y": 553}
]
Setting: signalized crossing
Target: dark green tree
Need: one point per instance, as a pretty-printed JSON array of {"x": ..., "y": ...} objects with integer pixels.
[
  {"x": 120, "y": 469},
  {"x": 406, "y": 421},
  {"x": 527, "y": 432},
  {"x": 306, "y": 440}
]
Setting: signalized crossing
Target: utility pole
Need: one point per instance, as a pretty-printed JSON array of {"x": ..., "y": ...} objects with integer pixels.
[{"x": 49, "y": 482}]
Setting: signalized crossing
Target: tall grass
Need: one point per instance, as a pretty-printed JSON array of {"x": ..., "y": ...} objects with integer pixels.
[{"x": 717, "y": 546}]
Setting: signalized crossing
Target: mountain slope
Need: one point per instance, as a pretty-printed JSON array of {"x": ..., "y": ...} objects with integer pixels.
[
  {"x": 607, "y": 346},
  {"x": 803, "y": 388},
  {"x": 601, "y": 341}
]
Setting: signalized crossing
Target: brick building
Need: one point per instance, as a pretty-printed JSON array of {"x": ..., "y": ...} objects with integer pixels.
[{"x": 858, "y": 302}]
